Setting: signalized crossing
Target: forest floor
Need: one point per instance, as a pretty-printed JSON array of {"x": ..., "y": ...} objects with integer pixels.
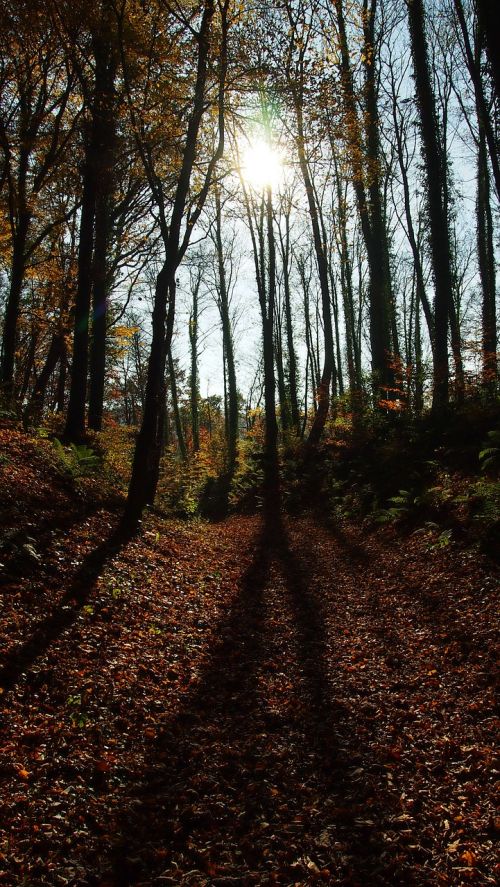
[{"x": 239, "y": 704}]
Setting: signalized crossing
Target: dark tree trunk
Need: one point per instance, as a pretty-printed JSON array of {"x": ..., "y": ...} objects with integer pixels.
[
  {"x": 486, "y": 261},
  {"x": 322, "y": 263},
  {"x": 60, "y": 402},
  {"x": 106, "y": 64},
  {"x": 12, "y": 310},
  {"x": 75, "y": 420},
  {"x": 147, "y": 454},
  {"x": 486, "y": 28},
  {"x": 194, "y": 385},
  {"x": 438, "y": 221},
  {"x": 181, "y": 440},
  {"x": 292, "y": 357},
  {"x": 381, "y": 300},
  {"x": 271, "y": 463},
  {"x": 419, "y": 369},
  {"x": 97, "y": 363},
  {"x": 352, "y": 350},
  {"x": 366, "y": 185},
  {"x": 227, "y": 341},
  {"x": 29, "y": 364},
  {"x": 34, "y": 408}
]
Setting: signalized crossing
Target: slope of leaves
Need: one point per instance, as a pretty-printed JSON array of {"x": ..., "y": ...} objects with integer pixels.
[{"x": 239, "y": 703}]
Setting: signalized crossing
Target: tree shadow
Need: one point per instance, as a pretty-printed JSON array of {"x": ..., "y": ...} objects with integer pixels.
[
  {"x": 63, "y": 616},
  {"x": 48, "y": 532},
  {"x": 232, "y": 778}
]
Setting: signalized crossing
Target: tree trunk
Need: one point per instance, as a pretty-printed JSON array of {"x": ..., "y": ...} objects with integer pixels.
[
  {"x": 486, "y": 261},
  {"x": 322, "y": 264},
  {"x": 438, "y": 221},
  {"x": 292, "y": 358},
  {"x": 381, "y": 300},
  {"x": 181, "y": 440},
  {"x": 34, "y": 408},
  {"x": 75, "y": 420},
  {"x": 194, "y": 385},
  {"x": 227, "y": 340},
  {"x": 147, "y": 454},
  {"x": 271, "y": 463},
  {"x": 12, "y": 310}
]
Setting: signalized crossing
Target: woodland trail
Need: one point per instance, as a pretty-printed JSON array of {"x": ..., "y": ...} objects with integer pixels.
[{"x": 240, "y": 704}]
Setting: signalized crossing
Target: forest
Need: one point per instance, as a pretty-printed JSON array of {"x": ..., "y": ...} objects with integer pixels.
[{"x": 250, "y": 442}]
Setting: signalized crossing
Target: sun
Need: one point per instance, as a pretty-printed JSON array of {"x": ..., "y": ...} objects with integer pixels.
[{"x": 262, "y": 165}]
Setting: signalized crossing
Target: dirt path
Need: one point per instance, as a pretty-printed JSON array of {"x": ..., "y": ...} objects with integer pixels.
[{"x": 231, "y": 705}]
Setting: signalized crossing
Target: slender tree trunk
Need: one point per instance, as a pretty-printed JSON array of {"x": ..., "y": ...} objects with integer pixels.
[
  {"x": 194, "y": 385},
  {"x": 474, "y": 66},
  {"x": 280, "y": 372},
  {"x": 181, "y": 440},
  {"x": 486, "y": 261},
  {"x": 227, "y": 339},
  {"x": 271, "y": 463},
  {"x": 34, "y": 408},
  {"x": 60, "y": 402},
  {"x": 419, "y": 368},
  {"x": 410, "y": 229},
  {"x": 29, "y": 364},
  {"x": 106, "y": 64},
  {"x": 145, "y": 468},
  {"x": 97, "y": 363},
  {"x": 75, "y": 419},
  {"x": 292, "y": 357},
  {"x": 352, "y": 350},
  {"x": 322, "y": 263}
]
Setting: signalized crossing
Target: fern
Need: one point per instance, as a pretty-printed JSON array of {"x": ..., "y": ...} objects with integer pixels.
[{"x": 489, "y": 456}]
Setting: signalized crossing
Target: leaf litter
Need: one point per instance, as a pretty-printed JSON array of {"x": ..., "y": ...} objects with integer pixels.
[{"x": 224, "y": 704}]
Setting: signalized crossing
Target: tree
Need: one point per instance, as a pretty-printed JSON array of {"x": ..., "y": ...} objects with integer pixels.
[
  {"x": 435, "y": 189},
  {"x": 149, "y": 442},
  {"x": 97, "y": 188},
  {"x": 37, "y": 122}
]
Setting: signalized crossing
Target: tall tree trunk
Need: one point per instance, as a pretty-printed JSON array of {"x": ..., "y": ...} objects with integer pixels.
[
  {"x": 473, "y": 61},
  {"x": 271, "y": 464},
  {"x": 34, "y": 408},
  {"x": 29, "y": 364},
  {"x": 486, "y": 262},
  {"x": 322, "y": 264},
  {"x": 383, "y": 337},
  {"x": 106, "y": 63},
  {"x": 75, "y": 419},
  {"x": 419, "y": 369},
  {"x": 280, "y": 373},
  {"x": 227, "y": 339},
  {"x": 97, "y": 363},
  {"x": 438, "y": 221},
  {"x": 365, "y": 173},
  {"x": 181, "y": 440},
  {"x": 194, "y": 385},
  {"x": 147, "y": 454},
  {"x": 352, "y": 350},
  {"x": 60, "y": 403},
  {"x": 12, "y": 310},
  {"x": 292, "y": 357}
]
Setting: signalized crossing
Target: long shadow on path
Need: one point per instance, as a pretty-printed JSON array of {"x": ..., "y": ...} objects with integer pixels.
[
  {"x": 241, "y": 788},
  {"x": 65, "y": 613}
]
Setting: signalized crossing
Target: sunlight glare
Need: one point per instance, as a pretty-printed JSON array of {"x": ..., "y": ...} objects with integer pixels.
[{"x": 262, "y": 165}]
